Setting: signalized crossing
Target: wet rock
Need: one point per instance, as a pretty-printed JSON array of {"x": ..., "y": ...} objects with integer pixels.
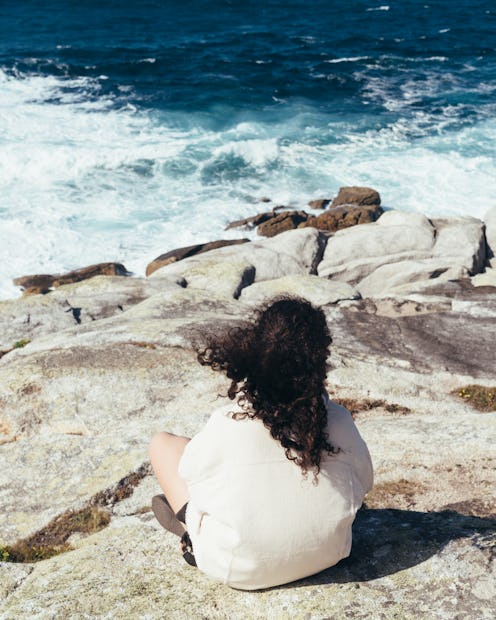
[
  {"x": 337, "y": 218},
  {"x": 36, "y": 284},
  {"x": 190, "y": 250},
  {"x": 356, "y": 196},
  {"x": 320, "y": 203},
  {"x": 248, "y": 223},
  {"x": 287, "y": 220}
]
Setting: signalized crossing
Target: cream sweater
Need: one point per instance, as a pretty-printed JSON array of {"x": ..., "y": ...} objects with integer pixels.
[{"x": 254, "y": 520}]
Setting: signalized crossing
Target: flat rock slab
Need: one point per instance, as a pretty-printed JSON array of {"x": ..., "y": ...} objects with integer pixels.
[
  {"x": 75, "y": 304},
  {"x": 133, "y": 570},
  {"x": 454, "y": 342},
  {"x": 318, "y": 291}
]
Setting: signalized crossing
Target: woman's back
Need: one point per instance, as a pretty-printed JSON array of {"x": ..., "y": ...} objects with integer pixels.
[{"x": 255, "y": 520}]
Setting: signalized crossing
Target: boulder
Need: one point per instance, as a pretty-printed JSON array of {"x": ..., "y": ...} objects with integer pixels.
[
  {"x": 395, "y": 235},
  {"x": 490, "y": 222},
  {"x": 337, "y": 218},
  {"x": 291, "y": 252},
  {"x": 208, "y": 273},
  {"x": 461, "y": 238},
  {"x": 133, "y": 570},
  {"x": 320, "y": 203},
  {"x": 318, "y": 291},
  {"x": 74, "y": 304},
  {"x": 36, "y": 284},
  {"x": 356, "y": 196},
  {"x": 248, "y": 223},
  {"x": 402, "y": 249},
  {"x": 190, "y": 250},
  {"x": 287, "y": 220},
  {"x": 396, "y": 277},
  {"x": 488, "y": 278}
]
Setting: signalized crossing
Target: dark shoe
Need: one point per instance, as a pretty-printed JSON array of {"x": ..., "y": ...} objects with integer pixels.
[
  {"x": 187, "y": 549},
  {"x": 166, "y": 516}
]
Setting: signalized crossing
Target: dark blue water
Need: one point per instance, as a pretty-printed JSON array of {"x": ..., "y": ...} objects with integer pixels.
[
  {"x": 258, "y": 57},
  {"x": 162, "y": 120}
]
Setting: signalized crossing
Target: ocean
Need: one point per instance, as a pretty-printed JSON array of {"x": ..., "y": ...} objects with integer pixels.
[{"x": 129, "y": 128}]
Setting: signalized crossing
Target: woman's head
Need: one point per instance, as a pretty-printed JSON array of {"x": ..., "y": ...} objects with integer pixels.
[{"x": 277, "y": 365}]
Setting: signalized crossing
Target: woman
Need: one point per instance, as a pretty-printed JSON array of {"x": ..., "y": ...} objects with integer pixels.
[{"x": 269, "y": 489}]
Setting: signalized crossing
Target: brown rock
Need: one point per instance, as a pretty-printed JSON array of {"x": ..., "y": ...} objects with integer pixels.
[
  {"x": 337, "y": 218},
  {"x": 321, "y": 203},
  {"x": 247, "y": 223},
  {"x": 190, "y": 250},
  {"x": 41, "y": 284},
  {"x": 36, "y": 284},
  {"x": 356, "y": 196},
  {"x": 287, "y": 220}
]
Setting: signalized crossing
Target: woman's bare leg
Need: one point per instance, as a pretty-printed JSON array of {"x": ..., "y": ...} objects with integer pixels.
[{"x": 165, "y": 452}]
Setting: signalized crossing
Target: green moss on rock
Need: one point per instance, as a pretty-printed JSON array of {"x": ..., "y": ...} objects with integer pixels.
[{"x": 478, "y": 396}]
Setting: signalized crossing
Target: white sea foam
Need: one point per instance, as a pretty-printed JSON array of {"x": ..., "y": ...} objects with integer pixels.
[
  {"x": 383, "y": 7},
  {"x": 335, "y": 61},
  {"x": 84, "y": 182}
]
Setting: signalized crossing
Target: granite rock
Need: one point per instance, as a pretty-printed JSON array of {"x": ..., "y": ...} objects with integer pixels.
[
  {"x": 291, "y": 252},
  {"x": 401, "y": 249},
  {"x": 78, "y": 406},
  {"x": 356, "y": 196},
  {"x": 286, "y": 220},
  {"x": 190, "y": 250},
  {"x": 318, "y": 291},
  {"x": 337, "y": 218},
  {"x": 36, "y": 284},
  {"x": 74, "y": 304},
  {"x": 490, "y": 222}
]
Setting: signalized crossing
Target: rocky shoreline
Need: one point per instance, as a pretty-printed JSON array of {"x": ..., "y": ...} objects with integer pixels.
[{"x": 90, "y": 369}]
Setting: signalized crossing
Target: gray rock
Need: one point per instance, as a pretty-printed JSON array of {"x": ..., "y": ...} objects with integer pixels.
[
  {"x": 490, "y": 222},
  {"x": 87, "y": 399},
  {"x": 401, "y": 249},
  {"x": 394, "y": 234},
  {"x": 397, "y": 277},
  {"x": 74, "y": 304},
  {"x": 488, "y": 278},
  {"x": 461, "y": 239},
  {"x": 208, "y": 273},
  {"x": 190, "y": 250},
  {"x": 317, "y": 290},
  {"x": 79, "y": 405},
  {"x": 291, "y": 252}
]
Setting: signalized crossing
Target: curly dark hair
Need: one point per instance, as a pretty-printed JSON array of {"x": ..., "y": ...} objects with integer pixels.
[{"x": 278, "y": 365}]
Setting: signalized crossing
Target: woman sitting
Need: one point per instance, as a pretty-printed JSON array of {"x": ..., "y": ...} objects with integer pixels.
[{"x": 269, "y": 488}]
